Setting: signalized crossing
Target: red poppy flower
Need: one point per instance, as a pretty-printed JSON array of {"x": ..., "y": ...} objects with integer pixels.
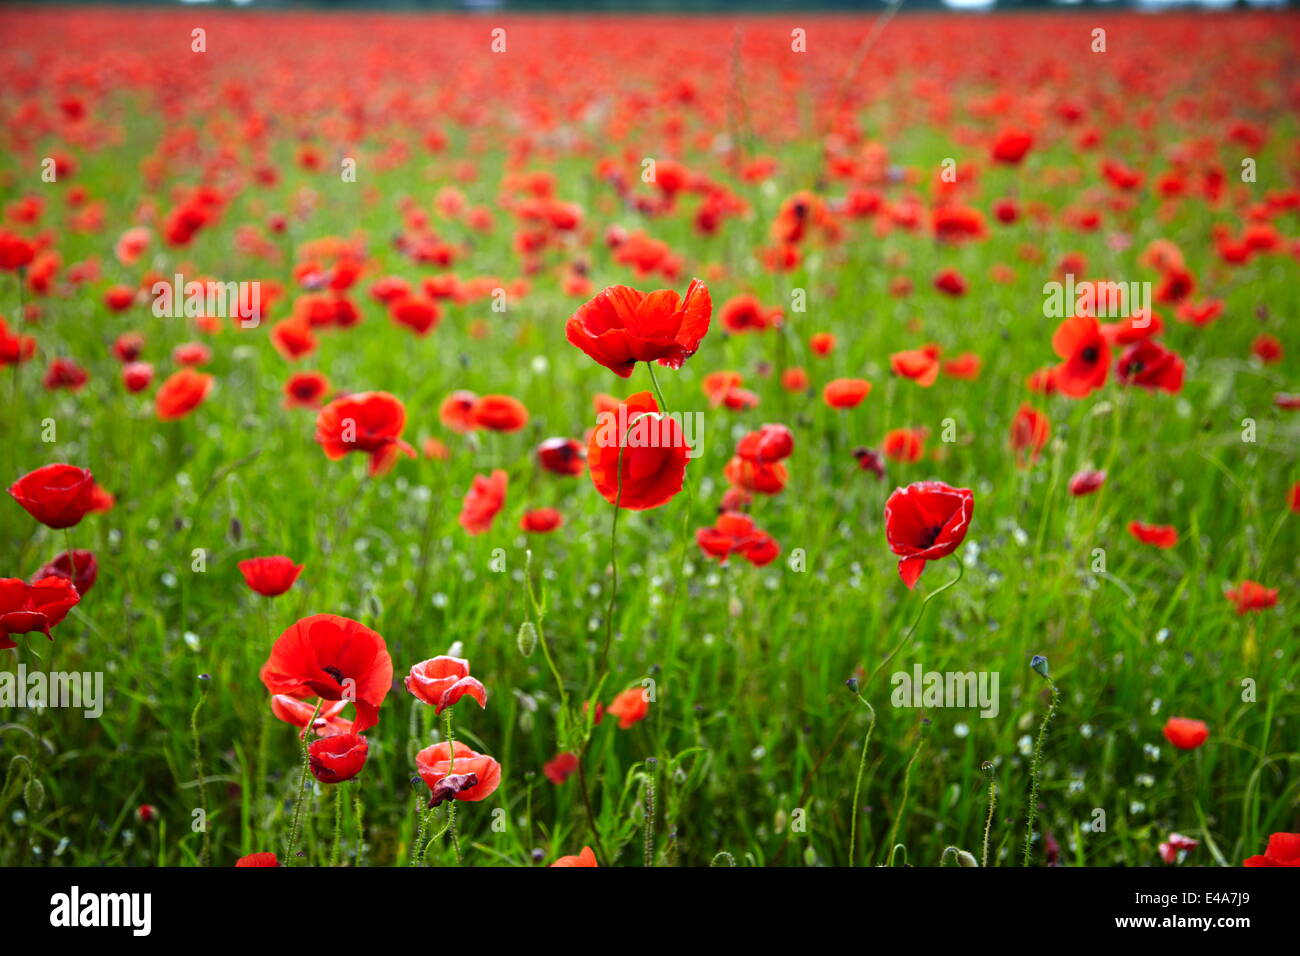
[
  {"x": 735, "y": 533},
  {"x": 65, "y": 373},
  {"x": 137, "y": 376},
  {"x": 1177, "y": 844},
  {"x": 181, "y": 393},
  {"x": 441, "y": 681},
  {"x": 964, "y": 366},
  {"x": 79, "y": 567},
  {"x": 484, "y": 499},
  {"x": 337, "y": 758},
  {"x": 499, "y": 413},
  {"x": 585, "y": 858},
  {"x": 561, "y": 768},
  {"x": 1085, "y": 354},
  {"x": 1283, "y": 850},
  {"x": 822, "y": 343},
  {"x": 1030, "y": 430},
  {"x": 270, "y": 576},
  {"x": 924, "y": 522},
  {"x": 562, "y": 456},
  {"x": 417, "y": 313},
  {"x": 630, "y": 707},
  {"x": 1251, "y": 596},
  {"x": 298, "y": 713},
  {"x": 14, "y": 348},
  {"x": 305, "y": 390},
  {"x": 541, "y": 520},
  {"x": 457, "y": 411},
  {"x": 25, "y": 608},
  {"x": 1160, "y": 535},
  {"x": 651, "y": 447},
  {"x": 767, "y": 478},
  {"x": 1011, "y": 145},
  {"x": 368, "y": 422},
  {"x": 58, "y": 496},
  {"x": 334, "y": 658},
  {"x": 846, "y": 392},
  {"x": 951, "y": 282},
  {"x": 768, "y": 444},
  {"x": 794, "y": 379},
  {"x": 258, "y": 859},
  {"x": 1185, "y": 733},
  {"x": 1086, "y": 482},
  {"x": 458, "y": 773},
  {"x": 904, "y": 444},
  {"x": 1149, "y": 364},
  {"x": 920, "y": 365},
  {"x": 744, "y": 313},
  {"x": 1267, "y": 349},
  {"x": 622, "y": 326},
  {"x": 870, "y": 460},
  {"x": 723, "y": 389}
]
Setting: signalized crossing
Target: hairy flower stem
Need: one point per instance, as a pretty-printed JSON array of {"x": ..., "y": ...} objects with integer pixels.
[
  {"x": 451, "y": 804},
  {"x": 1036, "y": 770},
  {"x": 205, "y": 853},
  {"x": 295, "y": 829},
  {"x": 988, "y": 822},
  {"x": 337, "y": 853},
  {"x": 902, "y": 802},
  {"x": 680, "y": 583},
  {"x": 650, "y": 814},
  {"x": 862, "y": 761}
]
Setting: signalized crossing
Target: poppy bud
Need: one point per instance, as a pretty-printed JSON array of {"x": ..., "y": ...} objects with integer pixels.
[
  {"x": 527, "y": 639},
  {"x": 1039, "y": 664},
  {"x": 965, "y": 858},
  {"x": 852, "y": 685},
  {"x": 34, "y": 795},
  {"x": 236, "y": 531}
]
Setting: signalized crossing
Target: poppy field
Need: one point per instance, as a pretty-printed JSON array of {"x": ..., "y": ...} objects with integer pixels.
[{"x": 489, "y": 440}]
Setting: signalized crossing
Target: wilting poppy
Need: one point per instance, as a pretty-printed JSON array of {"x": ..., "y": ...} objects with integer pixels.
[
  {"x": 486, "y": 496},
  {"x": 1185, "y": 733},
  {"x": 735, "y": 533},
  {"x": 585, "y": 858},
  {"x": 258, "y": 859},
  {"x": 926, "y": 521},
  {"x": 1159, "y": 535},
  {"x": 630, "y": 707},
  {"x": 26, "y": 608},
  {"x": 368, "y": 422},
  {"x": 652, "y": 450},
  {"x": 1085, "y": 356},
  {"x": 622, "y": 326},
  {"x": 58, "y": 496},
  {"x": 337, "y": 758},
  {"x": 1251, "y": 596},
  {"x": 441, "y": 681},
  {"x": 334, "y": 658},
  {"x": 456, "y": 772},
  {"x": 1283, "y": 850},
  {"x": 79, "y": 567},
  {"x": 270, "y": 576},
  {"x": 846, "y": 392},
  {"x": 562, "y": 456},
  {"x": 181, "y": 393}
]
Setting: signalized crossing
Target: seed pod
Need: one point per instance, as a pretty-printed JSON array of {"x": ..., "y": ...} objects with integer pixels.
[{"x": 527, "y": 638}]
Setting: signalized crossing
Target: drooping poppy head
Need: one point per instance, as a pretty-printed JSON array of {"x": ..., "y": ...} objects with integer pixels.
[
  {"x": 650, "y": 447},
  {"x": 58, "y": 496},
  {"x": 181, "y": 393},
  {"x": 622, "y": 326},
  {"x": 79, "y": 567},
  {"x": 485, "y": 498},
  {"x": 334, "y": 658},
  {"x": 455, "y": 772},
  {"x": 585, "y": 858},
  {"x": 1085, "y": 356},
  {"x": 337, "y": 758},
  {"x": 368, "y": 422},
  {"x": 270, "y": 576},
  {"x": 1185, "y": 733},
  {"x": 926, "y": 521},
  {"x": 441, "y": 681},
  {"x": 630, "y": 707},
  {"x": 27, "y": 608}
]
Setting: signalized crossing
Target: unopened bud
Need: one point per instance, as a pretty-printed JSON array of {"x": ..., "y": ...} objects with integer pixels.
[
  {"x": 527, "y": 638},
  {"x": 1039, "y": 664}
]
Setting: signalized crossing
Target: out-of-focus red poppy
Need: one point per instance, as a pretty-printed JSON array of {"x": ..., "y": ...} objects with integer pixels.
[
  {"x": 562, "y": 456},
  {"x": 1011, "y": 145},
  {"x": 1086, "y": 482},
  {"x": 368, "y": 422},
  {"x": 541, "y": 520},
  {"x": 499, "y": 413},
  {"x": 258, "y": 859},
  {"x": 305, "y": 390},
  {"x": 585, "y": 858},
  {"x": 181, "y": 393},
  {"x": 137, "y": 376},
  {"x": 1267, "y": 349},
  {"x": 1150, "y": 365},
  {"x": 1085, "y": 356},
  {"x": 1176, "y": 845},
  {"x": 25, "y": 608},
  {"x": 486, "y": 496},
  {"x": 622, "y": 326},
  {"x": 65, "y": 373},
  {"x": 846, "y": 392},
  {"x": 337, "y": 758},
  {"x": 1030, "y": 430},
  {"x": 79, "y": 567},
  {"x": 735, "y": 533},
  {"x": 441, "y": 681},
  {"x": 870, "y": 460},
  {"x": 270, "y": 576},
  {"x": 456, "y": 772},
  {"x": 14, "y": 348},
  {"x": 744, "y": 313},
  {"x": 334, "y": 658},
  {"x": 822, "y": 343},
  {"x": 926, "y": 521},
  {"x": 794, "y": 379},
  {"x": 723, "y": 388},
  {"x": 1185, "y": 733},
  {"x": 950, "y": 281},
  {"x": 630, "y": 707},
  {"x": 965, "y": 366},
  {"x": 651, "y": 447},
  {"x": 904, "y": 444},
  {"x": 1159, "y": 535},
  {"x": 1251, "y": 596},
  {"x": 1283, "y": 850},
  {"x": 457, "y": 411},
  {"x": 58, "y": 495}
]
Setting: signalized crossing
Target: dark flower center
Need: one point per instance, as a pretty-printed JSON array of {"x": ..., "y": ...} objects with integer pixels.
[
  {"x": 1090, "y": 354},
  {"x": 930, "y": 535}
]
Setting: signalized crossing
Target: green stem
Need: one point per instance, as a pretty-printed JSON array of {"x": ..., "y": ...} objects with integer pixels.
[{"x": 1036, "y": 769}]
